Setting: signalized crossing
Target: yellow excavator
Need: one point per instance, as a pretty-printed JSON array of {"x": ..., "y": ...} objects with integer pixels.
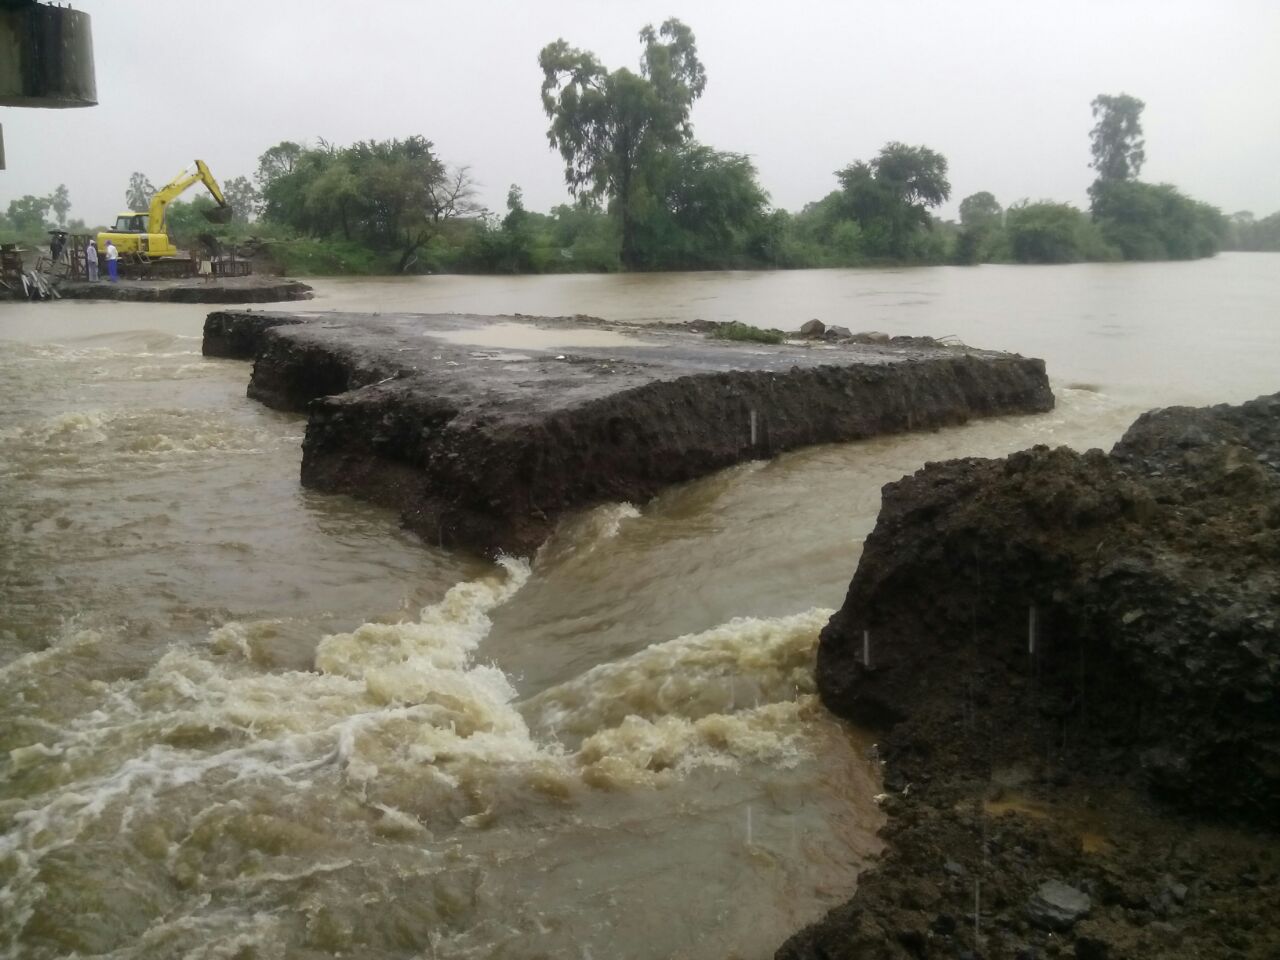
[{"x": 141, "y": 238}]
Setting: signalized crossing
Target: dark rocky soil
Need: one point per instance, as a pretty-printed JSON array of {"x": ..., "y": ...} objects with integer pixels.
[
  {"x": 1075, "y": 663},
  {"x": 485, "y": 448}
]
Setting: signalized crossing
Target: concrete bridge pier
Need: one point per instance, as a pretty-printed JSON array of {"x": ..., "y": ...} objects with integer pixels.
[{"x": 46, "y": 57}]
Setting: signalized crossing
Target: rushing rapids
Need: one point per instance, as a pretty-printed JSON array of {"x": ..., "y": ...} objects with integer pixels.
[{"x": 242, "y": 802}]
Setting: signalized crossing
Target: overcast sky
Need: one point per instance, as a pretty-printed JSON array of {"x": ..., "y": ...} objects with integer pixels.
[{"x": 1002, "y": 89}]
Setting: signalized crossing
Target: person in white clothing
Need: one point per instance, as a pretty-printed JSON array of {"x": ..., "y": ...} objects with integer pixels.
[{"x": 91, "y": 260}]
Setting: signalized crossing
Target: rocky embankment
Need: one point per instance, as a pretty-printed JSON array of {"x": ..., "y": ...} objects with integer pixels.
[
  {"x": 1075, "y": 664},
  {"x": 486, "y": 447},
  {"x": 253, "y": 289}
]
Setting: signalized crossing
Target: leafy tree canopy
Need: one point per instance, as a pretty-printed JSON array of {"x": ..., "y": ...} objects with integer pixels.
[
  {"x": 390, "y": 194},
  {"x": 242, "y": 197},
  {"x": 1047, "y": 232},
  {"x": 1118, "y": 148},
  {"x": 610, "y": 126},
  {"x": 277, "y": 161},
  {"x": 26, "y": 215},
  {"x": 890, "y": 196},
  {"x": 980, "y": 211},
  {"x": 981, "y": 220},
  {"x": 705, "y": 208},
  {"x": 1147, "y": 221}
]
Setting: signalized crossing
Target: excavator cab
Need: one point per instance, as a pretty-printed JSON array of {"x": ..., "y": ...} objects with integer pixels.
[{"x": 131, "y": 223}]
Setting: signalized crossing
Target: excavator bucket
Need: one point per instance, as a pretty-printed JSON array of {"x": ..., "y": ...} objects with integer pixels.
[{"x": 218, "y": 215}]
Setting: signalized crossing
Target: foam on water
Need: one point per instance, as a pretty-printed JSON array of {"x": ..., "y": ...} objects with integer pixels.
[
  {"x": 740, "y": 664},
  {"x": 87, "y": 442},
  {"x": 30, "y": 665},
  {"x": 400, "y": 728},
  {"x": 580, "y": 534}
]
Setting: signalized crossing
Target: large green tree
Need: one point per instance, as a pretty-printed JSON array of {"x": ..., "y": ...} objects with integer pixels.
[
  {"x": 1143, "y": 221},
  {"x": 705, "y": 209},
  {"x": 611, "y": 126},
  {"x": 980, "y": 211},
  {"x": 1156, "y": 221},
  {"x": 242, "y": 197},
  {"x": 890, "y": 196},
  {"x": 333, "y": 195},
  {"x": 1118, "y": 148},
  {"x": 277, "y": 161},
  {"x": 286, "y": 174},
  {"x": 27, "y": 215},
  {"x": 394, "y": 196},
  {"x": 981, "y": 220}
]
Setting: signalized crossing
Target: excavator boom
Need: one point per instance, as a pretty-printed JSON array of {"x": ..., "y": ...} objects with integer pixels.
[{"x": 179, "y": 184}]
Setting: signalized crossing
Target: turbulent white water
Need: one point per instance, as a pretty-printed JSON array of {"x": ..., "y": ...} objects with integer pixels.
[
  {"x": 241, "y": 719},
  {"x": 219, "y": 788}
]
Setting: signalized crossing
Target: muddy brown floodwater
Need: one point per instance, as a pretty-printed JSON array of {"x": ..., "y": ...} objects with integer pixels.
[{"x": 241, "y": 718}]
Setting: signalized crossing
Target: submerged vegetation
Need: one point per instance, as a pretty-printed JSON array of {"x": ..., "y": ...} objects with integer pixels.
[{"x": 646, "y": 195}]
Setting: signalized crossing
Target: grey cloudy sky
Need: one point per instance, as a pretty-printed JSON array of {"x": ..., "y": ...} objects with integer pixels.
[{"x": 1002, "y": 89}]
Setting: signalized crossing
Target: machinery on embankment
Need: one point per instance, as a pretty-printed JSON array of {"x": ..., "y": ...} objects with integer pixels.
[{"x": 142, "y": 240}]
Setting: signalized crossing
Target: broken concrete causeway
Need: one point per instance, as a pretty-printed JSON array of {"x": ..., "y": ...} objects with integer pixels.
[
  {"x": 485, "y": 447},
  {"x": 251, "y": 289}
]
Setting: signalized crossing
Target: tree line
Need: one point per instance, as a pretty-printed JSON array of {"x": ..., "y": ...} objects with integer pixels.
[{"x": 645, "y": 194}]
